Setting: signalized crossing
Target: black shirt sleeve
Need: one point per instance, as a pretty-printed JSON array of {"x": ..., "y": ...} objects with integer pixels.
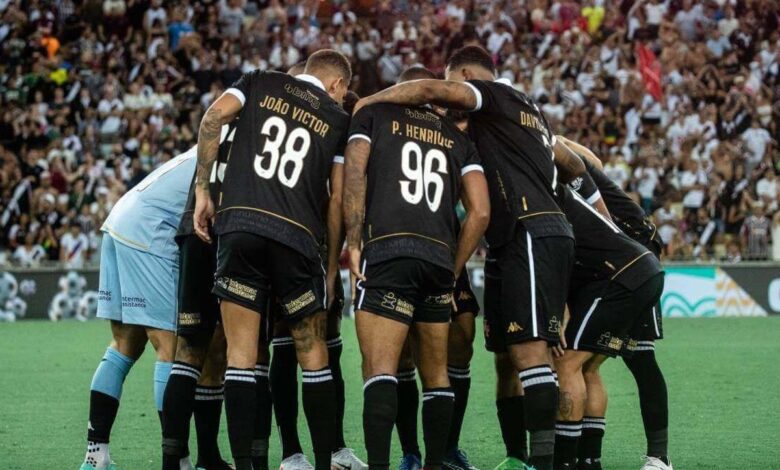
[
  {"x": 471, "y": 160},
  {"x": 241, "y": 87},
  {"x": 362, "y": 124},
  {"x": 586, "y": 187},
  {"x": 485, "y": 94}
]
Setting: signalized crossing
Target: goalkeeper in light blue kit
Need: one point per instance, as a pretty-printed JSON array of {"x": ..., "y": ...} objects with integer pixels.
[{"x": 139, "y": 271}]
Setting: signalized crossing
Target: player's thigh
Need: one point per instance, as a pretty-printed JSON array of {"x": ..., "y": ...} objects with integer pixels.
[
  {"x": 381, "y": 339},
  {"x": 149, "y": 288},
  {"x": 129, "y": 340},
  {"x": 242, "y": 332},
  {"x": 432, "y": 353},
  {"x": 461, "y": 339},
  {"x": 163, "y": 342},
  {"x": 198, "y": 308},
  {"x": 407, "y": 360}
]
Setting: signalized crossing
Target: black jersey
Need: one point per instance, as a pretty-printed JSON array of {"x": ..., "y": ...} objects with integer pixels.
[
  {"x": 215, "y": 180},
  {"x": 624, "y": 211},
  {"x": 603, "y": 251},
  {"x": 276, "y": 182},
  {"x": 516, "y": 143},
  {"x": 413, "y": 182}
]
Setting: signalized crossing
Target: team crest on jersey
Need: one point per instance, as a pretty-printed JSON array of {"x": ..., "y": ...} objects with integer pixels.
[
  {"x": 301, "y": 302},
  {"x": 576, "y": 184},
  {"x": 389, "y": 300}
]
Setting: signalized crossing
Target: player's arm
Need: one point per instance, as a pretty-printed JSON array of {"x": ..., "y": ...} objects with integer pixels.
[
  {"x": 476, "y": 200},
  {"x": 335, "y": 223},
  {"x": 354, "y": 203},
  {"x": 569, "y": 164},
  {"x": 222, "y": 111},
  {"x": 444, "y": 93},
  {"x": 590, "y": 192},
  {"x": 582, "y": 151}
]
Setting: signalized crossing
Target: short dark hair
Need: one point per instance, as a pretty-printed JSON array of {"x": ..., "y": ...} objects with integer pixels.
[
  {"x": 331, "y": 60},
  {"x": 350, "y": 100},
  {"x": 297, "y": 69},
  {"x": 415, "y": 73},
  {"x": 471, "y": 55}
]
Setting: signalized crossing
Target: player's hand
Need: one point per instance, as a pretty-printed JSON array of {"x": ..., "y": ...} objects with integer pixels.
[
  {"x": 331, "y": 277},
  {"x": 204, "y": 214},
  {"x": 354, "y": 263},
  {"x": 560, "y": 348}
]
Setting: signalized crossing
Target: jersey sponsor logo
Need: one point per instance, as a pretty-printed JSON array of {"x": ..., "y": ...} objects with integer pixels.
[
  {"x": 514, "y": 328},
  {"x": 424, "y": 116},
  {"x": 237, "y": 288},
  {"x": 444, "y": 299},
  {"x": 305, "y": 95},
  {"x": 606, "y": 340},
  {"x": 104, "y": 295},
  {"x": 299, "y": 303},
  {"x": 189, "y": 319},
  {"x": 130, "y": 301},
  {"x": 391, "y": 302}
]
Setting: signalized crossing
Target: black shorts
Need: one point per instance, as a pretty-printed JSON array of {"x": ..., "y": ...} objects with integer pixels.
[
  {"x": 465, "y": 300},
  {"x": 648, "y": 328},
  {"x": 526, "y": 282},
  {"x": 604, "y": 313},
  {"x": 252, "y": 270},
  {"x": 337, "y": 307},
  {"x": 406, "y": 290},
  {"x": 198, "y": 310}
]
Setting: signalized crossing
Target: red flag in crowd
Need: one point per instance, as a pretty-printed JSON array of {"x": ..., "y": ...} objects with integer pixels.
[{"x": 650, "y": 68}]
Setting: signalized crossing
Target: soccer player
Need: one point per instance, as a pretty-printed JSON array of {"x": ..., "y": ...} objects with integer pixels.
[
  {"x": 406, "y": 168},
  {"x": 529, "y": 235},
  {"x": 269, "y": 227},
  {"x": 138, "y": 278},
  {"x": 653, "y": 397},
  {"x": 195, "y": 383},
  {"x": 615, "y": 281},
  {"x": 284, "y": 373}
]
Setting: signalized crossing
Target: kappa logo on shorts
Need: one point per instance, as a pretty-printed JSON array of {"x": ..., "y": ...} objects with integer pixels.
[
  {"x": 514, "y": 328},
  {"x": 189, "y": 319},
  {"x": 301, "y": 302},
  {"x": 443, "y": 299},
  {"x": 554, "y": 326},
  {"x": 235, "y": 287},
  {"x": 465, "y": 295}
]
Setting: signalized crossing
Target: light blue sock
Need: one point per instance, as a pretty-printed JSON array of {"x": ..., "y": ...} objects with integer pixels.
[
  {"x": 111, "y": 373},
  {"x": 162, "y": 370}
]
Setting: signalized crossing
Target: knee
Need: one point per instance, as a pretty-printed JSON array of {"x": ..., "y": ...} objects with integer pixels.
[
  {"x": 129, "y": 347},
  {"x": 164, "y": 344},
  {"x": 531, "y": 354}
]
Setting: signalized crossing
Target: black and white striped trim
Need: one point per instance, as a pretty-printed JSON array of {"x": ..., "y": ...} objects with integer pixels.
[
  {"x": 594, "y": 423},
  {"x": 459, "y": 372},
  {"x": 577, "y": 338},
  {"x": 532, "y": 272},
  {"x": 645, "y": 346},
  {"x": 470, "y": 168},
  {"x": 431, "y": 394},
  {"x": 409, "y": 375},
  {"x": 379, "y": 378},
  {"x": 359, "y": 285},
  {"x": 183, "y": 369},
  {"x": 568, "y": 429},
  {"x": 333, "y": 342},
  {"x": 536, "y": 376},
  {"x": 209, "y": 394},
  {"x": 282, "y": 341},
  {"x": 240, "y": 375},
  {"x": 261, "y": 370},
  {"x": 555, "y": 376},
  {"x": 317, "y": 376},
  {"x": 359, "y": 136}
]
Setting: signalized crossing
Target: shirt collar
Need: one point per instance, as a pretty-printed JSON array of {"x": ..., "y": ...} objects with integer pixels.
[
  {"x": 504, "y": 81},
  {"x": 304, "y": 77}
]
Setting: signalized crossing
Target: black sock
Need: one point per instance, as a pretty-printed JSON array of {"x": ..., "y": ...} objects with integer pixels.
[
  {"x": 240, "y": 409},
  {"x": 178, "y": 403},
  {"x": 653, "y": 398},
  {"x": 335, "y": 348},
  {"x": 540, "y": 406},
  {"x": 102, "y": 414},
  {"x": 263, "y": 419},
  {"x": 460, "y": 380},
  {"x": 408, "y": 405},
  {"x": 436, "y": 418},
  {"x": 208, "y": 411},
  {"x": 319, "y": 405},
  {"x": 284, "y": 393},
  {"x": 380, "y": 406},
  {"x": 589, "y": 450},
  {"x": 512, "y": 423},
  {"x": 567, "y": 435}
]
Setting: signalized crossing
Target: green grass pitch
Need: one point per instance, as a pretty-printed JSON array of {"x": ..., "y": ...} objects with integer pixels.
[{"x": 723, "y": 381}]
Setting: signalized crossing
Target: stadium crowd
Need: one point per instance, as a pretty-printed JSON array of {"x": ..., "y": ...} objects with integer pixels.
[{"x": 680, "y": 99}]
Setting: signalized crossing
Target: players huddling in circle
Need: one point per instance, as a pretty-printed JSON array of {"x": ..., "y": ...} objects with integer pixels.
[{"x": 226, "y": 259}]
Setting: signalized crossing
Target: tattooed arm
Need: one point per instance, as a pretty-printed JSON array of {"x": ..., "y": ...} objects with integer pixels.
[
  {"x": 444, "y": 93},
  {"x": 356, "y": 161},
  {"x": 476, "y": 200},
  {"x": 220, "y": 112},
  {"x": 582, "y": 151},
  {"x": 569, "y": 164}
]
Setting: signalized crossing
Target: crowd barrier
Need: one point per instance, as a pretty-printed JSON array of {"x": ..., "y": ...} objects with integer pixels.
[{"x": 691, "y": 290}]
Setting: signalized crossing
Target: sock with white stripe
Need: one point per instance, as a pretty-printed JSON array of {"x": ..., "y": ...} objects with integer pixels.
[
  {"x": 380, "y": 406},
  {"x": 460, "y": 380},
  {"x": 319, "y": 405},
  {"x": 335, "y": 347},
  {"x": 240, "y": 409},
  {"x": 653, "y": 399},
  {"x": 589, "y": 449},
  {"x": 408, "y": 406},
  {"x": 540, "y": 406},
  {"x": 436, "y": 418},
  {"x": 512, "y": 423},
  {"x": 284, "y": 393},
  {"x": 263, "y": 420},
  {"x": 178, "y": 402},
  {"x": 567, "y": 434},
  {"x": 208, "y": 412}
]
